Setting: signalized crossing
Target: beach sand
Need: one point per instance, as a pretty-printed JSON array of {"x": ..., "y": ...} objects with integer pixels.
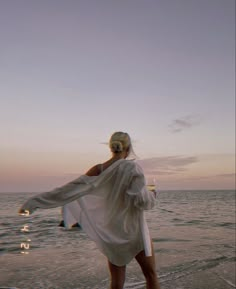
[{"x": 65, "y": 269}]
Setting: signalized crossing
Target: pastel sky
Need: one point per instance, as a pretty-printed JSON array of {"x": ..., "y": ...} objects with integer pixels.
[{"x": 74, "y": 71}]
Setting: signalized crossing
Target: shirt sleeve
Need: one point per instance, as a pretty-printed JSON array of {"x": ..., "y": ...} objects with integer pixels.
[
  {"x": 137, "y": 191},
  {"x": 71, "y": 191},
  {"x": 59, "y": 196}
]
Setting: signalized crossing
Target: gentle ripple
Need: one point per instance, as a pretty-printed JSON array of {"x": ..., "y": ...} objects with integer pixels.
[{"x": 192, "y": 231}]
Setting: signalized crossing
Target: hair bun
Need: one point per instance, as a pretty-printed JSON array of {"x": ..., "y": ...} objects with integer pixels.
[{"x": 116, "y": 146}]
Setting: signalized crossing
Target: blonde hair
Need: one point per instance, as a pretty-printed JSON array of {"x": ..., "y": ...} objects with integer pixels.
[{"x": 119, "y": 142}]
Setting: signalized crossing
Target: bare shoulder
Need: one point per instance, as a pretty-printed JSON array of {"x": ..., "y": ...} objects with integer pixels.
[{"x": 94, "y": 171}]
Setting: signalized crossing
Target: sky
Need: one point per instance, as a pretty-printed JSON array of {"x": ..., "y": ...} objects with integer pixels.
[{"x": 72, "y": 72}]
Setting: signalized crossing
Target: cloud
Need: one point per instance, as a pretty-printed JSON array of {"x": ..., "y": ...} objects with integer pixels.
[
  {"x": 217, "y": 176},
  {"x": 191, "y": 172},
  {"x": 168, "y": 165},
  {"x": 226, "y": 175},
  {"x": 186, "y": 122}
]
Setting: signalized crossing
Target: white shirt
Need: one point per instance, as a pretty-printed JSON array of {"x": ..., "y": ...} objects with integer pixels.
[{"x": 109, "y": 207}]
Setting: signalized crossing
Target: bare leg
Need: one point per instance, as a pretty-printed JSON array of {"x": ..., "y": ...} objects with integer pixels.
[
  {"x": 117, "y": 276},
  {"x": 148, "y": 267}
]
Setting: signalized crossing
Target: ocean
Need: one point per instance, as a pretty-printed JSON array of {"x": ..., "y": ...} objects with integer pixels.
[{"x": 193, "y": 234}]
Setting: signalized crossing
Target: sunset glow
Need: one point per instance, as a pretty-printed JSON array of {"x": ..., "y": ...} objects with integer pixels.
[{"x": 74, "y": 72}]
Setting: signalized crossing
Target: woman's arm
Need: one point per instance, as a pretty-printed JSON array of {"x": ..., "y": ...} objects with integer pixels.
[{"x": 94, "y": 171}]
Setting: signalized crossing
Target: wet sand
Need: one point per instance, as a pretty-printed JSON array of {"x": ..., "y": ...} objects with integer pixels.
[{"x": 64, "y": 269}]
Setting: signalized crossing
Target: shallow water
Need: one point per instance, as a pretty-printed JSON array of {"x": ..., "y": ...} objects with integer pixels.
[{"x": 193, "y": 235}]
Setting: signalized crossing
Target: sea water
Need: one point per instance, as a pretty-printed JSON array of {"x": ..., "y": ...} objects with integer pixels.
[{"x": 193, "y": 234}]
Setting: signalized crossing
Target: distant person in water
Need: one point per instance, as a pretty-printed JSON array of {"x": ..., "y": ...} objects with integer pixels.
[{"x": 109, "y": 202}]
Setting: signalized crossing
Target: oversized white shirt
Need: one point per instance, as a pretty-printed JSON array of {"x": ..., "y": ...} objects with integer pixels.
[{"x": 109, "y": 207}]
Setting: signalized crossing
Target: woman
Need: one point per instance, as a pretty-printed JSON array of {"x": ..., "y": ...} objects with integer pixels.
[{"x": 109, "y": 203}]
